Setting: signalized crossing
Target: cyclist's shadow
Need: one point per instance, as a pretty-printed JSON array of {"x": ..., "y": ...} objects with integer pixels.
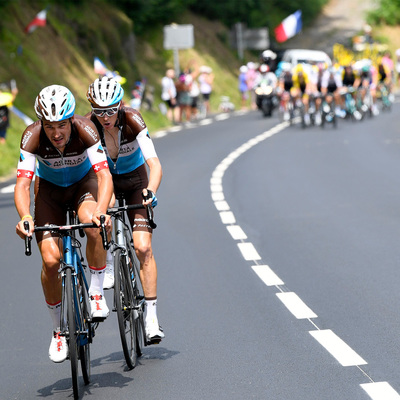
[
  {"x": 155, "y": 352},
  {"x": 107, "y": 379}
]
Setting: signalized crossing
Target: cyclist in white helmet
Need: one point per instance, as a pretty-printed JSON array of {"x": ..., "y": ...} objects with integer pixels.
[
  {"x": 65, "y": 152},
  {"x": 129, "y": 148}
]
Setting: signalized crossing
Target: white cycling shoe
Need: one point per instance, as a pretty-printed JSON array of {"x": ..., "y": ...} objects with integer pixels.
[
  {"x": 58, "y": 350},
  {"x": 109, "y": 277},
  {"x": 98, "y": 307},
  {"x": 154, "y": 332}
]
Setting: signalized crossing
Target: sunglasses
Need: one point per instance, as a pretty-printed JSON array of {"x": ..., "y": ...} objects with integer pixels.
[{"x": 101, "y": 112}]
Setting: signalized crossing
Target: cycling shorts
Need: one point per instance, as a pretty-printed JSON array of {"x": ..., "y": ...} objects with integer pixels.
[
  {"x": 131, "y": 185},
  {"x": 51, "y": 201}
]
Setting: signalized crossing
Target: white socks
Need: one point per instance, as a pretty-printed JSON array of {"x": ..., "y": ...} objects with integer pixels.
[
  {"x": 55, "y": 314},
  {"x": 96, "y": 281},
  {"x": 151, "y": 311},
  {"x": 109, "y": 259}
]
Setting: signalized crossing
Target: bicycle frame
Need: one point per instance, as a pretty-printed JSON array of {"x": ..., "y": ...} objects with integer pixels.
[
  {"x": 121, "y": 232},
  {"x": 71, "y": 259}
]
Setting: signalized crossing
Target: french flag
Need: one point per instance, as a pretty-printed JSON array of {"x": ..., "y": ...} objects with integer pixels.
[
  {"x": 39, "y": 20},
  {"x": 289, "y": 27}
]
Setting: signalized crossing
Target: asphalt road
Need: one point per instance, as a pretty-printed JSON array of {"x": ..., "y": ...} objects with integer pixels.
[{"x": 278, "y": 272}]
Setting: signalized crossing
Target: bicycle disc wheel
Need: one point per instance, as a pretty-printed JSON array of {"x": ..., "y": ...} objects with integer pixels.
[
  {"x": 71, "y": 337},
  {"x": 139, "y": 302},
  {"x": 85, "y": 336},
  {"x": 124, "y": 304}
]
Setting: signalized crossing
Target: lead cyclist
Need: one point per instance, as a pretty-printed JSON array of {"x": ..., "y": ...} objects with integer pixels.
[
  {"x": 64, "y": 151},
  {"x": 129, "y": 149}
]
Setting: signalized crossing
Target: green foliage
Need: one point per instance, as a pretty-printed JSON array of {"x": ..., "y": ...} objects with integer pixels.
[
  {"x": 388, "y": 13},
  {"x": 151, "y": 13}
]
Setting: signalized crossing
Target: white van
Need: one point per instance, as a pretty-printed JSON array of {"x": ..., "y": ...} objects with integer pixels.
[{"x": 296, "y": 56}]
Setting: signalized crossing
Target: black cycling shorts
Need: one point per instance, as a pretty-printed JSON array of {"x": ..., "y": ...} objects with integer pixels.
[
  {"x": 131, "y": 185},
  {"x": 51, "y": 200}
]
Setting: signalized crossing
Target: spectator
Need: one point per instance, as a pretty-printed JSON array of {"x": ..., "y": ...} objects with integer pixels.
[
  {"x": 168, "y": 94},
  {"x": 183, "y": 96},
  {"x": 251, "y": 77},
  {"x": 206, "y": 80},
  {"x": 6, "y": 100},
  {"x": 243, "y": 88},
  {"x": 398, "y": 65},
  {"x": 191, "y": 79}
]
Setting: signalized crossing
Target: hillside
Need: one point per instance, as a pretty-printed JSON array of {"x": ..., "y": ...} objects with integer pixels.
[
  {"x": 77, "y": 31},
  {"x": 63, "y": 52}
]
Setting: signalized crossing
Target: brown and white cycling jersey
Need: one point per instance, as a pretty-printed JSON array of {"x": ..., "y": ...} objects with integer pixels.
[
  {"x": 134, "y": 142},
  {"x": 82, "y": 152}
]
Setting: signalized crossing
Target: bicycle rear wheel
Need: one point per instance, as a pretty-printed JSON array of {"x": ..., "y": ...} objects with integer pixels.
[
  {"x": 71, "y": 331},
  {"x": 86, "y": 334},
  {"x": 124, "y": 304}
]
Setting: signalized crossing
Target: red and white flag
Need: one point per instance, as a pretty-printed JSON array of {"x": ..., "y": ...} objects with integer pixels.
[
  {"x": 39, "y": 20},
  {"x": 289, "y": 27}
]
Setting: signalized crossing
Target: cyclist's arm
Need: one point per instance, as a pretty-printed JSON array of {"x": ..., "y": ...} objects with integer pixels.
[
  {"x": 104, "y": 180},
  {"x": 150, "y": 156},
  {"x": 155, "y": 175},
  {"x": 25, "y": 173},
  {"x": 22, "y": 201}
]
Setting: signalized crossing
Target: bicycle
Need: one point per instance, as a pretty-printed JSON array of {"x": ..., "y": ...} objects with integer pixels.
[
  {"x": 129, "y": 301},
  {"x": 76, "y": 323}
]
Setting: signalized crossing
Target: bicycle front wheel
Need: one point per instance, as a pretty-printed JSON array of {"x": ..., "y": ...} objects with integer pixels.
[
  {"x": 86, "y": 334},
  {"x": 124, "y": 304},
  {"x": 71, "y": 330}
]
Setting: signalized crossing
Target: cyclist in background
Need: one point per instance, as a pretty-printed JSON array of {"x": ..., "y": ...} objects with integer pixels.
[
  {"x": 129, "y": 148},
  {"x": 331, "y": 84},
  {"x": 285, "y": 84},
  {"x": 369, "y": 81},
  {"x": 71, "y": 169},
  {"x": 301, "y": 89}
]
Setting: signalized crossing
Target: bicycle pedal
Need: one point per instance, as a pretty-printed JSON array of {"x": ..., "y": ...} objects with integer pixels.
[
  {"x": 153, "y": 341},
  {"x": 98, "y": 319}
]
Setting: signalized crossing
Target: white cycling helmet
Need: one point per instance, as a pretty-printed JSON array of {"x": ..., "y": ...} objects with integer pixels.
[
  {"x": 55, "y": 103},
  {"x": 104, "y": 92}
]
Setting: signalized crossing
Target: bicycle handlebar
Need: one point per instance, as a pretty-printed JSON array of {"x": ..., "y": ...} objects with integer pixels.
[
  {"x": 150, "y": 215},
  {"x": 65, "y": 228}
]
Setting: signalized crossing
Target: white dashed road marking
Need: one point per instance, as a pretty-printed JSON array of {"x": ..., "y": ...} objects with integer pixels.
[
  {"x": 343, "y": 353},
  {"x": 338, "y": 348},
  {"x": 296, "y": 306}
]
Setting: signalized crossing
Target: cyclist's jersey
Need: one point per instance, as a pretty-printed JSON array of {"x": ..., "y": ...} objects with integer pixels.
[
  {"x": 300, "y": 82},
  {"x": 82, "y": 152},
  {"x": 331, "y": 81},
  {"x": 135, "y": 144},
  {"x": 287, "y": 80},
  {"x": 349, "y": 79}
]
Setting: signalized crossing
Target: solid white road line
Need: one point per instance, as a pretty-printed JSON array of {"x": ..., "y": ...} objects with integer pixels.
[
  {"x": 380, "y": 391},
  {"x": 338, "y": 348},
  {"x": 268, "y": 276},
  {"x": 296, "y": 306}
]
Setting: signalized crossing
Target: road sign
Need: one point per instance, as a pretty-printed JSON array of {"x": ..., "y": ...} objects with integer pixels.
[{"x": 178, "y": 37}]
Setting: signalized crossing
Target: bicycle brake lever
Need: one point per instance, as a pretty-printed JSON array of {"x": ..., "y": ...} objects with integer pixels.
[
  {"x": 150, "y": 216},
  {"x": 103, "y": 232},
  {"x": 28, "y": 248}
]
